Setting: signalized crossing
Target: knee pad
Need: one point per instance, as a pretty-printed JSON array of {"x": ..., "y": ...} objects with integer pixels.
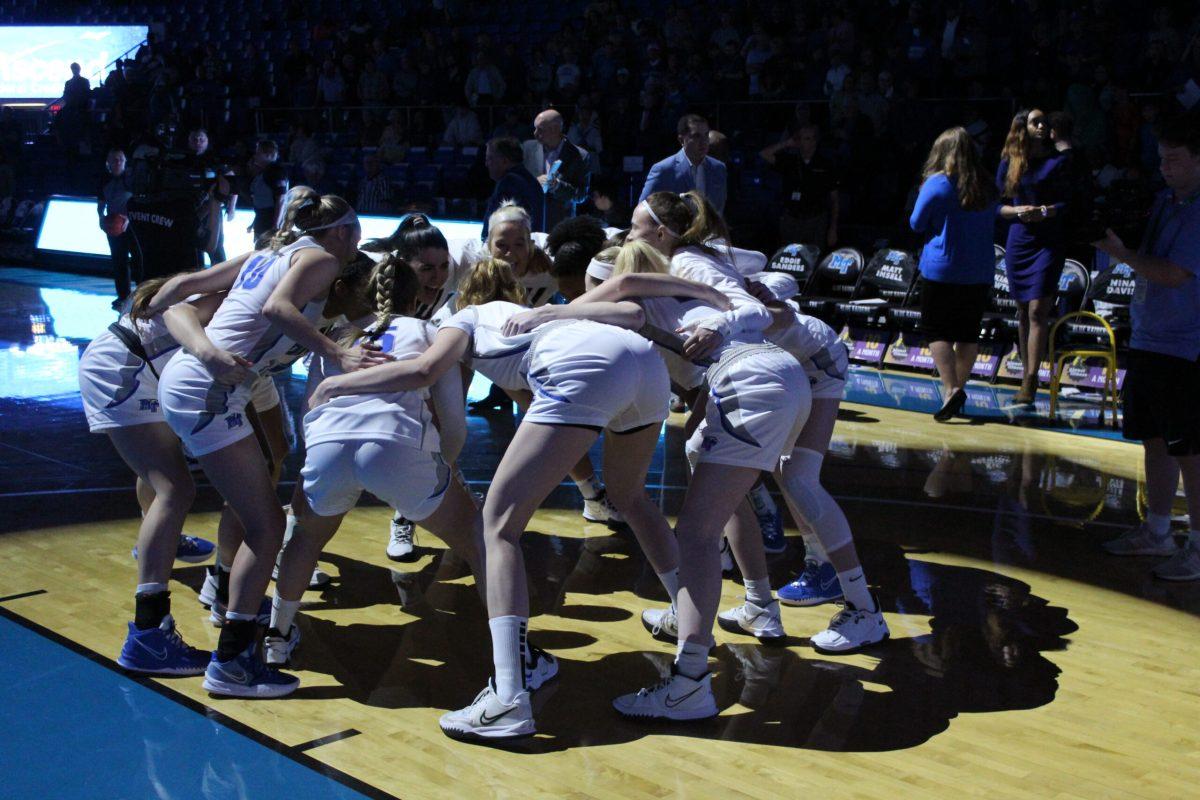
[{"x": 801, "y": 471}]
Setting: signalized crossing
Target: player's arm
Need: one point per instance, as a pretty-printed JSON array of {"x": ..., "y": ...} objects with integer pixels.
[
  {"x": 447, "y": 349},
  {"x": 309, "y": 277},
  {"x": 218, "y": 279}
]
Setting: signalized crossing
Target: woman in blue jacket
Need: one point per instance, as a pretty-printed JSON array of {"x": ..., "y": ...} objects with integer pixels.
[{"x": 956, "y": 209}]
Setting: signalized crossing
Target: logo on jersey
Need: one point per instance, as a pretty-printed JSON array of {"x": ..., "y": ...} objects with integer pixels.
[
  {"x": 148, "y": 405},
  {"x": 233, "y": 421}
]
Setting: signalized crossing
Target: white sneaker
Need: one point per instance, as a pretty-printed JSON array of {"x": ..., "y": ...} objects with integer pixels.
[
  {"x": 277, "y": 648},
  {"x": 726, "y": 556},
  {"x": 662, "y": 623},
  {"x": 676, "y": 697},
  {"x": 600, "y": 509},
  {"x": 489, "y": 720},
  {"x": 850, "y": 629},
  {"x": 541, "y": 669},
  {"x": 762, "y": 622},
  {"x": 403, "y": 536},
  {"x": 1140, "y": 541},
  {"x": 1184, "y": 566}
]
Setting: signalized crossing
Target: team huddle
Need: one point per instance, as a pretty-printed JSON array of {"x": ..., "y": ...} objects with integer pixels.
[{"x": 393, "y": 333}]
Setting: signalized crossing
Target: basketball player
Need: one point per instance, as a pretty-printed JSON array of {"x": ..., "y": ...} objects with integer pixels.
[
  {"x": 118, "y": 383},
  {"x": 585, "y": 377},
  {"x": 269, "y": 318}
]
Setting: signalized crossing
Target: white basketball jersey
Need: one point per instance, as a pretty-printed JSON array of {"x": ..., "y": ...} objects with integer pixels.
[
  {"x": 154, "y": 336},
  {"x": 393, "y": 416},
  {"x": 239, "y": 325},
  {"x": 540, "y": 287},
  {"x": 806, "y": 337},
  {"x": 669, "y": 313},
  {"x": 498, "y": 357}
]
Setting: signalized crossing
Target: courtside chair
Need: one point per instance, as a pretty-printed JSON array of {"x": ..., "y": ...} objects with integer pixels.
[{"x": 1099, "y": 342}]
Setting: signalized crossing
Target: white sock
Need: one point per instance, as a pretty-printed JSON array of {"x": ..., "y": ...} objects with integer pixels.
[
  {"x": 288, "y": 529},
  {"x": 813, "y": 549},
  {"x": 855, "y": 589},
  {"x": 1158, "y": 524},
  {"x": 758, "y": 591},
  {"x": 508, "y": 649},
  {"x": 691, "y": 659},
  {"x": 283, "y": 612},
  {"x": 226, "y": 568},
  {"x": 590, "y": 488},
  {"x": 150, "y": 588},
  {"x": 670, "y": 582},
  {"x": 761, "y": 500}
]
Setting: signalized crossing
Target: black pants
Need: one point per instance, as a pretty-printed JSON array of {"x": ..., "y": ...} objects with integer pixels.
[{"x": 125, "y": 262}]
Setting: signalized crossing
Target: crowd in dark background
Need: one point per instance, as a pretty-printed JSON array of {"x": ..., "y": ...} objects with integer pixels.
[{"x": 358, "y": 90}]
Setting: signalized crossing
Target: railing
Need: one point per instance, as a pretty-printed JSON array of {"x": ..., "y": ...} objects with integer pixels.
[{"x": 722, "y": 115}]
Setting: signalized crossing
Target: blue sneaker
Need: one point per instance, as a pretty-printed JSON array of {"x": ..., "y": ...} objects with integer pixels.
[
  {"x": 192, "y": 549},
  {"x": 816, "y": 585},
  {"x": 771, "y": 523},
  {"x": 160, "y": 651},
  {"x": 247, "y": 676}
]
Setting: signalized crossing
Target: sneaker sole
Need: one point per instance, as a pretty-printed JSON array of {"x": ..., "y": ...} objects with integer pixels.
[
  {"x": 733, "y": 627},
  {"x": 197, "y": 559},
  {"x": 775, "y": 550},
  {"x": 407, "y": 558},
  {"x": 1195, "y": 576},
  {"x": 471, "y": 735},
  {"x": 806, "y": 603},
  {"x": 260, "y": 692},
  {"x": 661, "y": 636},
  {"x": 690, "y": 717},
  {"x": 175, "y": 671},
  {"x": 853, "y": 649},
  {"x": 1145, "y": 551}
]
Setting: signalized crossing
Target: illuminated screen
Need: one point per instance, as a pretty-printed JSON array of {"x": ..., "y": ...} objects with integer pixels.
[
  {"x": 35, "y": 60},
  {"x": 71, "y": 226}
]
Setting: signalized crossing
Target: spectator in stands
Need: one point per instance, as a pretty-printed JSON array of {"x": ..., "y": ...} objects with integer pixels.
[
  {"x": 1036, "y": 178},
  {"x": 810, "y": 188},
  {"x": 606, "y": 204},
  {"x": 691, "y": 168},
  {"x": 313, "y": 173},
  {"x": 504, "y": 160},
  {"x": 559, "y": 166},
  {"x": 331, "y": 86},
  {"x": 303, "y": 145},
  {"x": 584, "y": 132},
  {"x": 1163, "y": 378},
  {"x": 374, "y": 194},
  {"x": 463, "y": 129},
  {"x": 111, "y": 203},
  {"x": 956, "y": 210},
  {"x": 393, "y": 142},
  {"x": 72, "y": 119},
  {"x": 485, "y": 85},
  {"x": 511, "y": 126},
  {"x": 267, "y": 183}
]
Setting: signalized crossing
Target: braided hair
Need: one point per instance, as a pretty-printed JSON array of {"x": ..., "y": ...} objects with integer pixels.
[{"x": 393, "y": 288}]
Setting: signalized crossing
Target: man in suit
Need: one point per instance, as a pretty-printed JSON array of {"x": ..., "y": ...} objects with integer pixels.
[
  {"x": 691, "y": 168},
  {"x": 503, "y": 158},
  {"x": 559, "y": 166}
]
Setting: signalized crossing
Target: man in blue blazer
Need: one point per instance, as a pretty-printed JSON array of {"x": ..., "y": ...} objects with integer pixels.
[
  {"x": 691, "y": 168},
  {"x": 503, "y": 159}
]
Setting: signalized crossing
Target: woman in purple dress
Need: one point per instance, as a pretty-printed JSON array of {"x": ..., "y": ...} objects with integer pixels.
[{"x": 1036, "y": 182}]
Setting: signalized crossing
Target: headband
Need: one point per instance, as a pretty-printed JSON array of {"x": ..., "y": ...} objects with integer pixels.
[
  {"x": 657, "y": 221},
  {"x": 349, "y": 218},
  {"x": 600, "y": 270}
]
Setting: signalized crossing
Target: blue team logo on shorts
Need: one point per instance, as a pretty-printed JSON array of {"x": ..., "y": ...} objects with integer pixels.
[
  {"x": 709, "y": 443},
  {"x": 233, "y": 421},
  {"x": 148, "y": 405}
]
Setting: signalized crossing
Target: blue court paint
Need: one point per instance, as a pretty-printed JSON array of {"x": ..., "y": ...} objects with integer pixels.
[{"x": 75, "y": 729}]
